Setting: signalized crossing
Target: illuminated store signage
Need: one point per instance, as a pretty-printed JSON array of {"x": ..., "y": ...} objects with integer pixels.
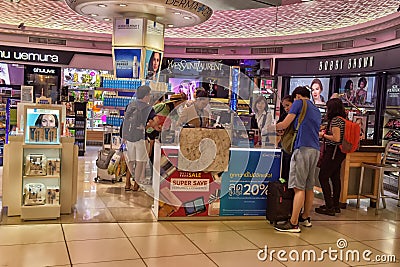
[
  {"x": 357, "y": 63},
  {"x": 198, "y": 66},
  {"x": 44, "y": 71},
  {"x": 35, "y": 55}
]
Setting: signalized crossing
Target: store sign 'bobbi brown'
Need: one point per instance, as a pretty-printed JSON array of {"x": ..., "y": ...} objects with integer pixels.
[{"x": 352, "y": 63}]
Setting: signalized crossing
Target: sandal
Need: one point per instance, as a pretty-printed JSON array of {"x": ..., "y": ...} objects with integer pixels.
[{"x": 128, "y": 188}]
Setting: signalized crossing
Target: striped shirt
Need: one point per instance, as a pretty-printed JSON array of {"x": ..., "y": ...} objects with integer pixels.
[{"x": 335, "y": 122}]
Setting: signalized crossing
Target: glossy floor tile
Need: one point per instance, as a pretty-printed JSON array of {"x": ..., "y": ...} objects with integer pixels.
[
  {"x": 112, "y": 227},
  {"x": 101, "y": 250},
  {"x": 42, "y": 254},
  {"x": 242, "y": 258},
  {"x": 165, "y": 245},
  {"x": 220, "y": 241}
]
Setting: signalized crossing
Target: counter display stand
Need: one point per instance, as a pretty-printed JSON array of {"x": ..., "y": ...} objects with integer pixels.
[
  {"x": 391, "y": 132},
  {"x": 39, "y": 177},
  {"x": 350, "y": 173},
  {"x": 239, "y": 190},
  {"x": 58, "y": 170}
]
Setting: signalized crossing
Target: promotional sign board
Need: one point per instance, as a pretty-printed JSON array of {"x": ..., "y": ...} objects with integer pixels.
[
  {"x": 128, "y": 32},
  {"x": 127, "y": 62},
  {"x": 393, "y": 91},
  {"x": 244, "y": 185},
  {"x": 154, "y": 35},
  {"x": 184, "y": 194}
]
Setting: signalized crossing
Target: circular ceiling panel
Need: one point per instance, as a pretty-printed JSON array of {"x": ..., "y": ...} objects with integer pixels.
[
  {"x": 291, "y": 22},
  {"x": 172, "y": 13}
]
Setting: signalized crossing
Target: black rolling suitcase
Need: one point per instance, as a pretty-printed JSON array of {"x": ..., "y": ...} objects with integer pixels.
[{"x": 279, "y": 202}]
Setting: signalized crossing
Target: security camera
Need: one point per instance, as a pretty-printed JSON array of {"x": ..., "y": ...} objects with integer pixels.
[{"x": 21, "y": 26}]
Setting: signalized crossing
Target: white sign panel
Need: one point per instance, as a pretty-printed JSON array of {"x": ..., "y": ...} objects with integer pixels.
[
  {"x": 26, "y": 94},
  {"x": 154, "y": 35},
  {"x": 128, "y": 32}
]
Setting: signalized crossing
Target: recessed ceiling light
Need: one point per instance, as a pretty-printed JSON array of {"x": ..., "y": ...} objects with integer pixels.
[
  {"x": 123, "y": 5},
  {"x": 93, "y": 15},
  {"x": 102, "y": 5},
  {"x": 106, "y": 19},
  {"x": 170, "y": 25},
  {"x": 186, "y": 17},
  {"x": 177, "y": 13}
]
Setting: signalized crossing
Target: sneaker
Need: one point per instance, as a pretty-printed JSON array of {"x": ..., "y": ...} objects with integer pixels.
[
  {"x": 305, "y": 222},
  {"x": 325, "y": 211},
  {"x": 287, "y": 227}
]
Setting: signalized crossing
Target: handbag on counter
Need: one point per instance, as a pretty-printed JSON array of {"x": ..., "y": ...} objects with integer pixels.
[{"x": 290, "y": 134}]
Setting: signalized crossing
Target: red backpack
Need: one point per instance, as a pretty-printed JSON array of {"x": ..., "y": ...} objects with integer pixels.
[{"x": 351, "y": 137}]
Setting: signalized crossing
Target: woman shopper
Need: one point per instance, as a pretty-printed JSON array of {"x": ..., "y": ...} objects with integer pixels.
[
  {"x": 287, "y": 102},
  {"x": 263, "y": 117},
  {"x": 332, "y": 157}
]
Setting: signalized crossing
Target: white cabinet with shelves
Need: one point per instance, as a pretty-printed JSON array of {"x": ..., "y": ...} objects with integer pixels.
[
  {"x": 57, "y": 177},
  {"x": 41, "y": 182}
]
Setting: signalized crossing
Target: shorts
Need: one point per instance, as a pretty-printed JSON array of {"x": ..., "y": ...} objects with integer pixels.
[
  {"x": 136, "y": 151},
  {"x": 303, "y": 168}
]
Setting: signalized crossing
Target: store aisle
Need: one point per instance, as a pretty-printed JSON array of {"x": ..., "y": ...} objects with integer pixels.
[{"x": 218, "y": 243}]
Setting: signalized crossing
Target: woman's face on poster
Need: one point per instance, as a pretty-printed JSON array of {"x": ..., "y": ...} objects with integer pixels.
[
  {"x": 156, "y": 61},
  {"x": 316, "y": 91},
  {"x": 48, "y": 120}
]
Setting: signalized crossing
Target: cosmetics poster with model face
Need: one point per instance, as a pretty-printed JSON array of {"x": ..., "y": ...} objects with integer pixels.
[
  {"x": 362, "y": 121},
  {"x": 127, "y": 62},
  {"x": 152, "y": 65},
  {"x": 42, "y": 126},
  {"x": 359, "y": 91},
  {"x": 244, "y": 185},
  {"x": 393, "y": 91},
  {"x": 319, "y": 88}
]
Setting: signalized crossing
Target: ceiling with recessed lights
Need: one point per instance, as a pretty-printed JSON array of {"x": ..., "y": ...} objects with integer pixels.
[{"x": 237, "y": 22}]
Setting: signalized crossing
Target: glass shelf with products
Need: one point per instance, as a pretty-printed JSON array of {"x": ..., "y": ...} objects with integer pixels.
[{"x": 391, "y": 125}]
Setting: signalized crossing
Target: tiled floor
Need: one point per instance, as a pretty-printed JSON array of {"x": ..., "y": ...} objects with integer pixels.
[{"x": 111, "y": 227}]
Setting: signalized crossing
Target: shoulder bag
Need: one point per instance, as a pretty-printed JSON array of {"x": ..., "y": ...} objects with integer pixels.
[{"x": 288, "y": 138}]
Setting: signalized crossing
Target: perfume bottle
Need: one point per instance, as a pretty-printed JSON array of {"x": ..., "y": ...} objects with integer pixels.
[
  {"x": 214, "y": 206},
  {"x": 135, "y": 68}
]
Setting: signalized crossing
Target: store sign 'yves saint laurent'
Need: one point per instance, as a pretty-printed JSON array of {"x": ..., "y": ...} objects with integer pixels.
[
  {"x": 198, "y": 66},
  {"x": 357, "y": 63}
]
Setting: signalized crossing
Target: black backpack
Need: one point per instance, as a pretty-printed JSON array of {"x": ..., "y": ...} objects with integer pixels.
[{"x": 135, "y": 120}]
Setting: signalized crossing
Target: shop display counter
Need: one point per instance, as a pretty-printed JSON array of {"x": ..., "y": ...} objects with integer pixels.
[
  {"x": 62, "y": 178},
  {"x": 235, "y": 190},
  {"x": 350, "y": 173}
]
